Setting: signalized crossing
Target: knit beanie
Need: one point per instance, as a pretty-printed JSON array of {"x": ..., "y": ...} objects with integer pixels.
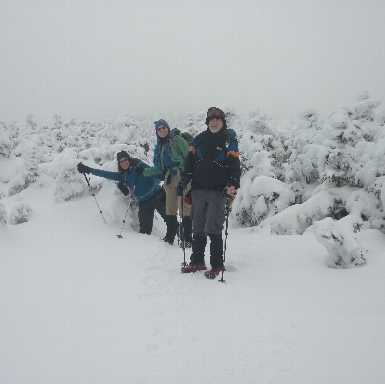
[
  {"x": 214, "y": 111},
  {"x": 161, "y": 122},
  {"x": 121, "y": 155}
]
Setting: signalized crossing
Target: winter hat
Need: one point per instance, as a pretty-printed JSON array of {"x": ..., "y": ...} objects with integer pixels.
[
  {"x": 214, "y": 111},
  {"x": 121, "y": 155},
  {"x": 161, "y": 122}
]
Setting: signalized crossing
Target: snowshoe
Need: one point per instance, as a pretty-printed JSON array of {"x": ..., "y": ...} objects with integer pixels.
[
  {"x": 191, "y": 268},
  {"x": 214, "y": 272}
]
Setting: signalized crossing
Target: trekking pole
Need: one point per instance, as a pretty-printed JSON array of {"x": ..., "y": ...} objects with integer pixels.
[
  {"x": 227, "y": 207},
  {"x": 183, "y": 240},
  {"x": 129, "y": 205},
  {"x": 93, "y": 194},
  {"x": 124, "y": 220}
]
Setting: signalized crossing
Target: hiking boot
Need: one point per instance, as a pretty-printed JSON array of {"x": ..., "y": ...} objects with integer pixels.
[
  {"x": 214, "y": 272},
  {"x": 167, "y": 240},
  {"x": 172, "y": 225},
  {"x": 193, "y": 268}
]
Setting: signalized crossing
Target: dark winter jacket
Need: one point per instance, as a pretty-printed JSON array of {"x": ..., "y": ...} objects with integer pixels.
[
  {"x": 213, "y": 160},
  {"x": 145, "y": 187}
]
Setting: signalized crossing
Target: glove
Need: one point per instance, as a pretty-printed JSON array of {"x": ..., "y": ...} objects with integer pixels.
[
  {"x": 179, "y": 189},
  {"x": 184, "y": 180},
  {"x": 182, "y": 185},
  {"x": 83, "y": 168},
  {"x": 139, "y": 169}
]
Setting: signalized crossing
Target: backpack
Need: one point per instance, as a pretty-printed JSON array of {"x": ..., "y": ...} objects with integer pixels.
[{"x": 186, "y": 136}]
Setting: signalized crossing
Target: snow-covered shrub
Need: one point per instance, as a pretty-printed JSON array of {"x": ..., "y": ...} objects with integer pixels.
[
  {"x": 3, "y": 214},
  {"x": 17, "y": 184},
  {"x": 6, "y": 145},
  {"x": 295, "y": 219},
  {"x": 259, "y": 198},
  {"x": 20, "y": 213},
  {"x": 309, "y": 118},
  {"x": 31, "y": 122},
  {"x": 58, "y": 121},
  {"x": 69, "y": 182},
  {"x": 340, "y": 240},
  {"x": 32, "y": 155},
  {"x": 129, "y": 131},
  {"x": 263, "y": 148}
]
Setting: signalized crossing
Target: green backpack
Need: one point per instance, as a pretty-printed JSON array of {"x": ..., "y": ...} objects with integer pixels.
[{"x": 188, "y": 138}]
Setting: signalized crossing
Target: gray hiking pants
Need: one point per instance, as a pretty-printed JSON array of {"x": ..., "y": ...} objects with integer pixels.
[{"x": 208, "y": 212}]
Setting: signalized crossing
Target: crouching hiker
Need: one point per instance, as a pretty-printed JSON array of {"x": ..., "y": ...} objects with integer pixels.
[
  {"x": 145, "y": 189},
  {"x": 214, "y": 168}
]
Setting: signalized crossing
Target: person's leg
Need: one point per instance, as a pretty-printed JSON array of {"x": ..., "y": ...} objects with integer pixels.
[
  {"x": 146, "y": 216},
  {"x": 216, "y": 251},
  {"x": 171, "y": 210},
  {"x": 171, "y": 197},
  {"x": 198, "y": 223},
  {"x": 215, "y": 218}
]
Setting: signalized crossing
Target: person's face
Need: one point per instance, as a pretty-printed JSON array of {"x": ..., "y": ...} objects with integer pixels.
[
  {"x": 162, "y": 131},
  {"x": 215, "y": 124},
  {"x": 124, "y": 163}
]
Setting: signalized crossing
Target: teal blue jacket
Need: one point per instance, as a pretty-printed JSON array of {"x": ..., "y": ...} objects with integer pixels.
[{"x": 145, "y": 187}]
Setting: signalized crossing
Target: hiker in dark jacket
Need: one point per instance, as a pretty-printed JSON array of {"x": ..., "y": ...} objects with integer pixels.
[
  {"x": 213, "y": 167},
  {"x": 169, "y": 159},
  {"x": 145, "y": 189}
]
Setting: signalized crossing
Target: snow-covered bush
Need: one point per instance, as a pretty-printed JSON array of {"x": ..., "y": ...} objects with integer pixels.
[
  {"x": 6, "y": 145},
  {"x": 260, "y": 197},
  {"x": 17, "y": 184},
  {"x": 340, "y": 240},
  {"x": 69, "y": 182},
  {"x": 20, "y": 213},
  {"x": 338, "y": 166},
  {"x": 3, "y": 214},
  {"x": 295, "y": 219},
  {"x": 32, "y": 155}
]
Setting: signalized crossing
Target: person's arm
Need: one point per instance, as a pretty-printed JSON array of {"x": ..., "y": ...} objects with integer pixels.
[
  {"x": 107, "y": 174},
  {"x": 234, "y": 166}
]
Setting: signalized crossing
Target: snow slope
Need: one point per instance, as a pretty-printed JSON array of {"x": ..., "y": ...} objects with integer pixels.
[{"x": 79, "y": 305}]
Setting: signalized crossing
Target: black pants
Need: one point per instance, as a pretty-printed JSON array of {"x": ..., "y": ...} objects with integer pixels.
[{"x": 146, "y": 212}]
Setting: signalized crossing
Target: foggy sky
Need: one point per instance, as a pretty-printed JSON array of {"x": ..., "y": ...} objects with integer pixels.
[{"x": 96, "y": 60}]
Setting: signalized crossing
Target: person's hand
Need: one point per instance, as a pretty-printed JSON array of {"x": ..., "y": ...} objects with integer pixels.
[
  {"x": 179, "y": 189},
  {"x": 83, "y": 168},
  {"x": 139, "y": 169},
  {"x": 230, "y": 190}
]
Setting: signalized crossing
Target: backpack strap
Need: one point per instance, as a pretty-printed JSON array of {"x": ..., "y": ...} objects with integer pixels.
[{"x": 175, "y": 145}]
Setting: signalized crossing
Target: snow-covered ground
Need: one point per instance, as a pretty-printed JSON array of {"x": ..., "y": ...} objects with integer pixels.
[{"x": 79, "y": 305}]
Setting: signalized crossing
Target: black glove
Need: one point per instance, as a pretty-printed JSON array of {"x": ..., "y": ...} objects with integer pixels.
[
  {"x": 184, "y": 180},
  {"x": 182, "y": 185},
  {"x": 179, "y": 189},
  {"x": 139, "y": 169},
  {"x": 83, "y": 168}
]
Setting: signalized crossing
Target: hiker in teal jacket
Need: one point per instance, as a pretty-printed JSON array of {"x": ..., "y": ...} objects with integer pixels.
[
  {"x": 146, "y": 189},
  {"x": 169, "y": 157}
]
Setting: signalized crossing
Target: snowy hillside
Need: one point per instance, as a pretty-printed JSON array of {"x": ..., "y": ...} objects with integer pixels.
[{"x": 304, "y": 295}]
